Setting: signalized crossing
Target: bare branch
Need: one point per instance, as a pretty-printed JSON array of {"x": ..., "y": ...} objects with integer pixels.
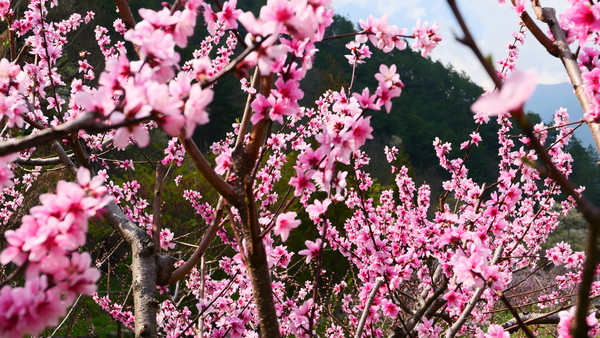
[
  {"x": 535, "y": 30},
  {"x": 216, "y": 181},
  {"x": 205, "y": 242},
  {"x": 39, "y": 161},
  {"x": 231, "y": 66},
  {"x": 470, "y": 42},
  {"x": 156, "y": 204},
  {"x": 363, "y": 317},
  {"x": 515, "y": 314},
  {"x": 531, "y": 319},
  {"x": 246, "y": 117},
  {"x": 45, "y": 136},
  {"x": 125, "y": 13}
]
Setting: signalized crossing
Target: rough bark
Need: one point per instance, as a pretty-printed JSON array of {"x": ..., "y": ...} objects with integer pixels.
[
  {"x": 260, "y": 277},
  {"x": 145, "y": 302},
  {"x": 531, "y": 319},
  {"x": 569, "y": 61},
  {"x": 147, "y": 268},
  {"x": 244, "y": 161}
]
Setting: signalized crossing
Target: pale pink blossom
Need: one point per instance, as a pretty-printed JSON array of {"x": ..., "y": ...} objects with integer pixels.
[
  {"x": 285, "y": 223},
  {"x": 195, "y": 108},
  {"x": 515, "y": 91}
]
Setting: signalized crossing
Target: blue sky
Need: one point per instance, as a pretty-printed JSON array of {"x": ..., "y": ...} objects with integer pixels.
[{"x": 491, "y": 24}]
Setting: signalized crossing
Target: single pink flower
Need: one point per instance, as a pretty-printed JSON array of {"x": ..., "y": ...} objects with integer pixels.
[
  {"x": 229, "y": 14},
  {"x": 366, "y": 100},
  {"x": 318, "y": 208},
  {"x": 312, "y": 249},
  {"x": 195, "y": 108},
  {"x": 515, "y": 90},
  {"x": 361, "y": 131},
  {"x": 302, "y": 181},
  {"x": 285, "y": 223},
  {"x": 497, "y": 331}
]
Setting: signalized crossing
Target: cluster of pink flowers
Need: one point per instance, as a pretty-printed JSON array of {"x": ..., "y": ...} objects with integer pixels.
[
  {"x": 426, "y": 37},
  {"x": 6, "y": 174},
  {"x": 358, "y": 53},
  {"x": 566, "y": 320},
  {"x": 150, "y": 89},
  {"x": 45, "y": 247},
  {"x": 12, "y": 188},
  {"x": 582, "y": 22},
  {"x": 174, "y": 152},
  {"x": 383, "y": 36},
  {"x": 508, "y": 62},
  {"x": 13, "y": 85},
  {"x": 582, "y": 18},
  {"x": 5, "y": 9},
  {"x": 115, "y": 310},
  {"x": 203, "y": 209},
  {"x": 172, "y": 321},
  {"x": 387, "y": 37}
]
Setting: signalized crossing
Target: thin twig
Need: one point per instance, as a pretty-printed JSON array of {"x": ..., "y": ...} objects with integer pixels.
[
  {"x": 205, "y": 242},
  {"x": 515, "y": 314},
  {"x": 216, "y": 181},
  {"x": 66, "y": 317},
  {"x": 156, "y": 204}
]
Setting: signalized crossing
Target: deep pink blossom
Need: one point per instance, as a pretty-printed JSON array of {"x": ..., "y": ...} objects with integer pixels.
[
  {"x": 301, "y": 182},
  {"x": 312, "y": 249}
]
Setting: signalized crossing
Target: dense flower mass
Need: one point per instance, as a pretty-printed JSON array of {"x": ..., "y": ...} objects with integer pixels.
[
  {"x": 45, "y": 247},
  {"x": 293, "y": 188},
  {"x": 582, "y": 22}
]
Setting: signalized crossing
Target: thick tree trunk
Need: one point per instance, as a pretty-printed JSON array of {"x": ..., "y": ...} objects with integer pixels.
[
  {"x": 147, "y": 268},
  {"x": 144, "y": 290},
  {"x": 260, "y": 277}
]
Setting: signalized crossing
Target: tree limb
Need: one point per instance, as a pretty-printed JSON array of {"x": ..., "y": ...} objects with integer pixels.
[
  {"x": 125, "y": 13},
  {"x": 365, "y": 313},
  {"x": 45, "y": 136},
  {"x": 216, "y": 181},
  {"x": 205, "y": 242},
  {"x": 573, "y": 71}
]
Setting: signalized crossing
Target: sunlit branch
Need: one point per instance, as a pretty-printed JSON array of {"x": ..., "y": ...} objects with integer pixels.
[
  {"x": 515, "y": 314},
  {"x": 363, "y": 317}
]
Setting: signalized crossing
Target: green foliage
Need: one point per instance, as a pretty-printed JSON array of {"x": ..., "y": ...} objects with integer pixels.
[
  {"x": 572, "y": 229},
  {"x": 585, "y": 169}
]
